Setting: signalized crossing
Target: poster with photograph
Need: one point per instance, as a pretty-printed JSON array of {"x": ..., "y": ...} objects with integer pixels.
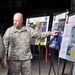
[
  {"x": 40, "y": 24},
  {"x": 58, "y": 24},
  {"x": 67, "y": 50}
]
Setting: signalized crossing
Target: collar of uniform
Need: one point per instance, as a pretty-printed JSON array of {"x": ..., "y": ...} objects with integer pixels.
[{"x": 20, "y": 30}]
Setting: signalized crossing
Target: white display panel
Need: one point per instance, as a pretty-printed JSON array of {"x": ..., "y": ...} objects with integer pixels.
[
  {"x": 67, "y": 50},
  {"x": 40, "y": 24},
  {"x": 58, "y": 24}
]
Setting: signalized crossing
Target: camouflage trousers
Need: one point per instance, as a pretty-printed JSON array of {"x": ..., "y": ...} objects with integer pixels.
[{"x": 19, "y": 67}]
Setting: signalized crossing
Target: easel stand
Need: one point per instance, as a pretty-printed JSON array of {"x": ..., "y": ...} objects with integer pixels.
[
  {"x": 51, "y": 64},
  {"x": 58, "y": 65},
  {"x": 63, "y": 67},
  {"x": 71, "y": 67},
  {"x": 51, "y": 61},
  {"x": 39, "y": 60}
]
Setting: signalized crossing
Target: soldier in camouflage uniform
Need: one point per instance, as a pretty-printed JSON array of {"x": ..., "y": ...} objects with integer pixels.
[
  {"x": 2, "y": 49},
  {"x": 17, "y": 43}
]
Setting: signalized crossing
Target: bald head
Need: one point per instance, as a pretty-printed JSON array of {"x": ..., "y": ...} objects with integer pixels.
[
  {"x": 18, "y": 20},
  {"x": 18, "y": 16}
]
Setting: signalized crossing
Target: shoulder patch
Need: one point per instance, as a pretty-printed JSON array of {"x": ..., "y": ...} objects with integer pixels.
[{"x": 4, "y": 36}]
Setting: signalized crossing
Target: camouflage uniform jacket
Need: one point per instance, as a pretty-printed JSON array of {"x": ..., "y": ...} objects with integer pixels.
[
  {"x": 2, "y": 48},
  {"x": 17, "y": 42}
]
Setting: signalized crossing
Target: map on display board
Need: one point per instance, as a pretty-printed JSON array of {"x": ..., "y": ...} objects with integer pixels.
[
  {"x": 40, "y": 24},
  {"x": 58, "y": 24},
  {"x": 67, "y": 50}
]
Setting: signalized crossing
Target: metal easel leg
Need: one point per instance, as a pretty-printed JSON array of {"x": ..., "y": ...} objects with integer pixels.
[
  {"x": 39, "y": 60},
  {"x": 51, "y": 64},
  {"x": 63, "y": 68}
]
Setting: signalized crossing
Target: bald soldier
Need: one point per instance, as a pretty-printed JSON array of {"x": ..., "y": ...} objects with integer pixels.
[{"x": 17, "y": 43}]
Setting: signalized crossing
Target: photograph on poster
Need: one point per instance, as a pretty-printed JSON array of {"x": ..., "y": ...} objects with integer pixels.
[
  {"x": 67, "y": 50},
  {"x": 40, "y": 24},
  {"x": 58, "y": 24}
]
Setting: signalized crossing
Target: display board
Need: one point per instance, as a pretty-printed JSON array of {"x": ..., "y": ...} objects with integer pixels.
[
  {"x": 40, "y": 24},
  {"x": 67, "y": 50},
  {"x": 58, "y": 24}
]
